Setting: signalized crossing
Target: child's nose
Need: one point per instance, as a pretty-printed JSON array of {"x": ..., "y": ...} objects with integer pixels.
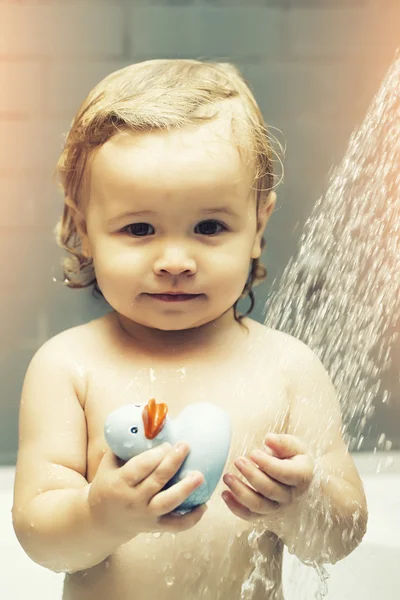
[{"x": 175, "y": 260}]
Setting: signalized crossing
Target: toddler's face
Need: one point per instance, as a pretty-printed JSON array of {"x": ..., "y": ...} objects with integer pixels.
[{"x": 176, "y": 243}]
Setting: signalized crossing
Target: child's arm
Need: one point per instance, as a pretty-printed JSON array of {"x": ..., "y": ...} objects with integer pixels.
[
  {"x": 51, "y": 514},
  {"x": 306, "y": 488},
  {"x": 63, "y": 522},
  {"x": 333, "y": 512}
]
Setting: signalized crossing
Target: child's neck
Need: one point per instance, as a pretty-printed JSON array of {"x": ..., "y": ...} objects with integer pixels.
[{"x": 216, "y": 335}]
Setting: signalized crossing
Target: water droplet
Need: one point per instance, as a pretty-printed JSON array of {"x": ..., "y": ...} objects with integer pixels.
[
  {"x": 170, "y": 580},
  {"x": 343, "y": 301},
  {"x": 187, "y": 555},
  {"x": 385, "y": 464}
]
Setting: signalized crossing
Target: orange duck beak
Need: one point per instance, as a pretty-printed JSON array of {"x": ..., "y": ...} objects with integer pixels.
[{"x": 153, "y": 418}]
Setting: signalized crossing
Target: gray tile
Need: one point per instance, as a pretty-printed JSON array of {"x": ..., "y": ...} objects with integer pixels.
[{"x": 192, "y": 32}]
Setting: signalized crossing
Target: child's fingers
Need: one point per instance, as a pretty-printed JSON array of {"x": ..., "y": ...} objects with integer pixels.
[
  {"x": 167, "y": 468},
  {"x": 262, "y": 483},
  {"x": 140, "y": 467},
  {"x": 248, "y": 498},
  {"x": 168, "y": 500},
  {"x": 285, "y": 445},
  {"x": 294, "y": 472},
  {"x": 245, "y": 513},
  {"x": 238, "y": 509}
]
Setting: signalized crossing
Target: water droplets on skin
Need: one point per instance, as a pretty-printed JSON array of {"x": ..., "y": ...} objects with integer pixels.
[
  {"x": 152, "y": 375},
  {"x": 80, "y": 369}
]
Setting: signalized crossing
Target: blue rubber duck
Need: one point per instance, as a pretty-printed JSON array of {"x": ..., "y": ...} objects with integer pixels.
[{"x": 134, "y": 428}]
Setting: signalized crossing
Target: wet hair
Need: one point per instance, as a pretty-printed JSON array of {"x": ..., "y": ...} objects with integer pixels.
[{"x": 157, "y": 95}]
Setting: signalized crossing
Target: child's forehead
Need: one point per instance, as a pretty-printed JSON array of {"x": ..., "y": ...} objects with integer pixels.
[{"x": 203, "y": 157}]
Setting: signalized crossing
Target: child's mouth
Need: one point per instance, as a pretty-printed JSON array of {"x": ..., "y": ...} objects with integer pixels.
[{"x": 174, "y": 297}]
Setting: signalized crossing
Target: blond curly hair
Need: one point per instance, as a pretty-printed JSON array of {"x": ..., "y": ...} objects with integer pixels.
[{"x": 161, "y": 95}]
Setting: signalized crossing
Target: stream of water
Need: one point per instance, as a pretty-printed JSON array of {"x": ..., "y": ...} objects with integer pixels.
[{"x": 340, "y": 293}]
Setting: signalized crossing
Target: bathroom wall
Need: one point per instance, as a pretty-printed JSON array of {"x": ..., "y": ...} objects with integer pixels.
[{"x": 314, "y": 66}]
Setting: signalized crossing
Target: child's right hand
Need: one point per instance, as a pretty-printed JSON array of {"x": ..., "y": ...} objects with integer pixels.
[{"x": 127, "y": 500}]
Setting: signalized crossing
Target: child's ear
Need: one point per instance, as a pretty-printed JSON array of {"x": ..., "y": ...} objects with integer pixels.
[
  {"x": 262, "y": 220},
  {"x": 80, "y": 225}
]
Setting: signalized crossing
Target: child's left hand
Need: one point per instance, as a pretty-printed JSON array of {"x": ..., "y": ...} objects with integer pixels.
[{"x": 277, "y": 478}]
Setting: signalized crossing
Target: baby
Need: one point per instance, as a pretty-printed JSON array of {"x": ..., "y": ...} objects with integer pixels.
[{"x": 168, "y": 185}]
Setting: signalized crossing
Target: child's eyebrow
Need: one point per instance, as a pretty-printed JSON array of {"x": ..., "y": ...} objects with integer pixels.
[{"x": 141, "y": 213}]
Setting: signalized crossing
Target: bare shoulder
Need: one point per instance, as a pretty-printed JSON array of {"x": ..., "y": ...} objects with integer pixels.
[
  {"x": 294, "y": 359},
  {"x": 81, "y": 336},
  {"x": 71, "y": 350},
  {"x": 314, "y": 405},
  {"x": 283, "y": 344}
]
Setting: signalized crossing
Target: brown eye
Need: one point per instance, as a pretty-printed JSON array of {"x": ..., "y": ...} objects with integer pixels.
[
  {"x": 211, "y": 225},
  {"x": 137, "y": 229}
]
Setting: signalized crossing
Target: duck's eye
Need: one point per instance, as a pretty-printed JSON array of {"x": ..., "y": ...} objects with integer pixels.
[
  {"x": 133, "y": 430},
  {"x": 138, "y": 405}
]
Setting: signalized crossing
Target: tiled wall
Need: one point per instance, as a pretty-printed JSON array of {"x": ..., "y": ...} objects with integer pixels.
[{"x": 314, "y": 66}]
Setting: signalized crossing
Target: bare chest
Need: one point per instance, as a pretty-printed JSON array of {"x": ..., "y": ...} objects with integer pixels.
[
  {"x": 214, "y": 558},
  {"x": 249, "y": 389}
]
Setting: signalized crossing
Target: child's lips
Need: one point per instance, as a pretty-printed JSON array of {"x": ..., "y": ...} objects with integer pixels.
[{"x": 174, "y": 297}]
